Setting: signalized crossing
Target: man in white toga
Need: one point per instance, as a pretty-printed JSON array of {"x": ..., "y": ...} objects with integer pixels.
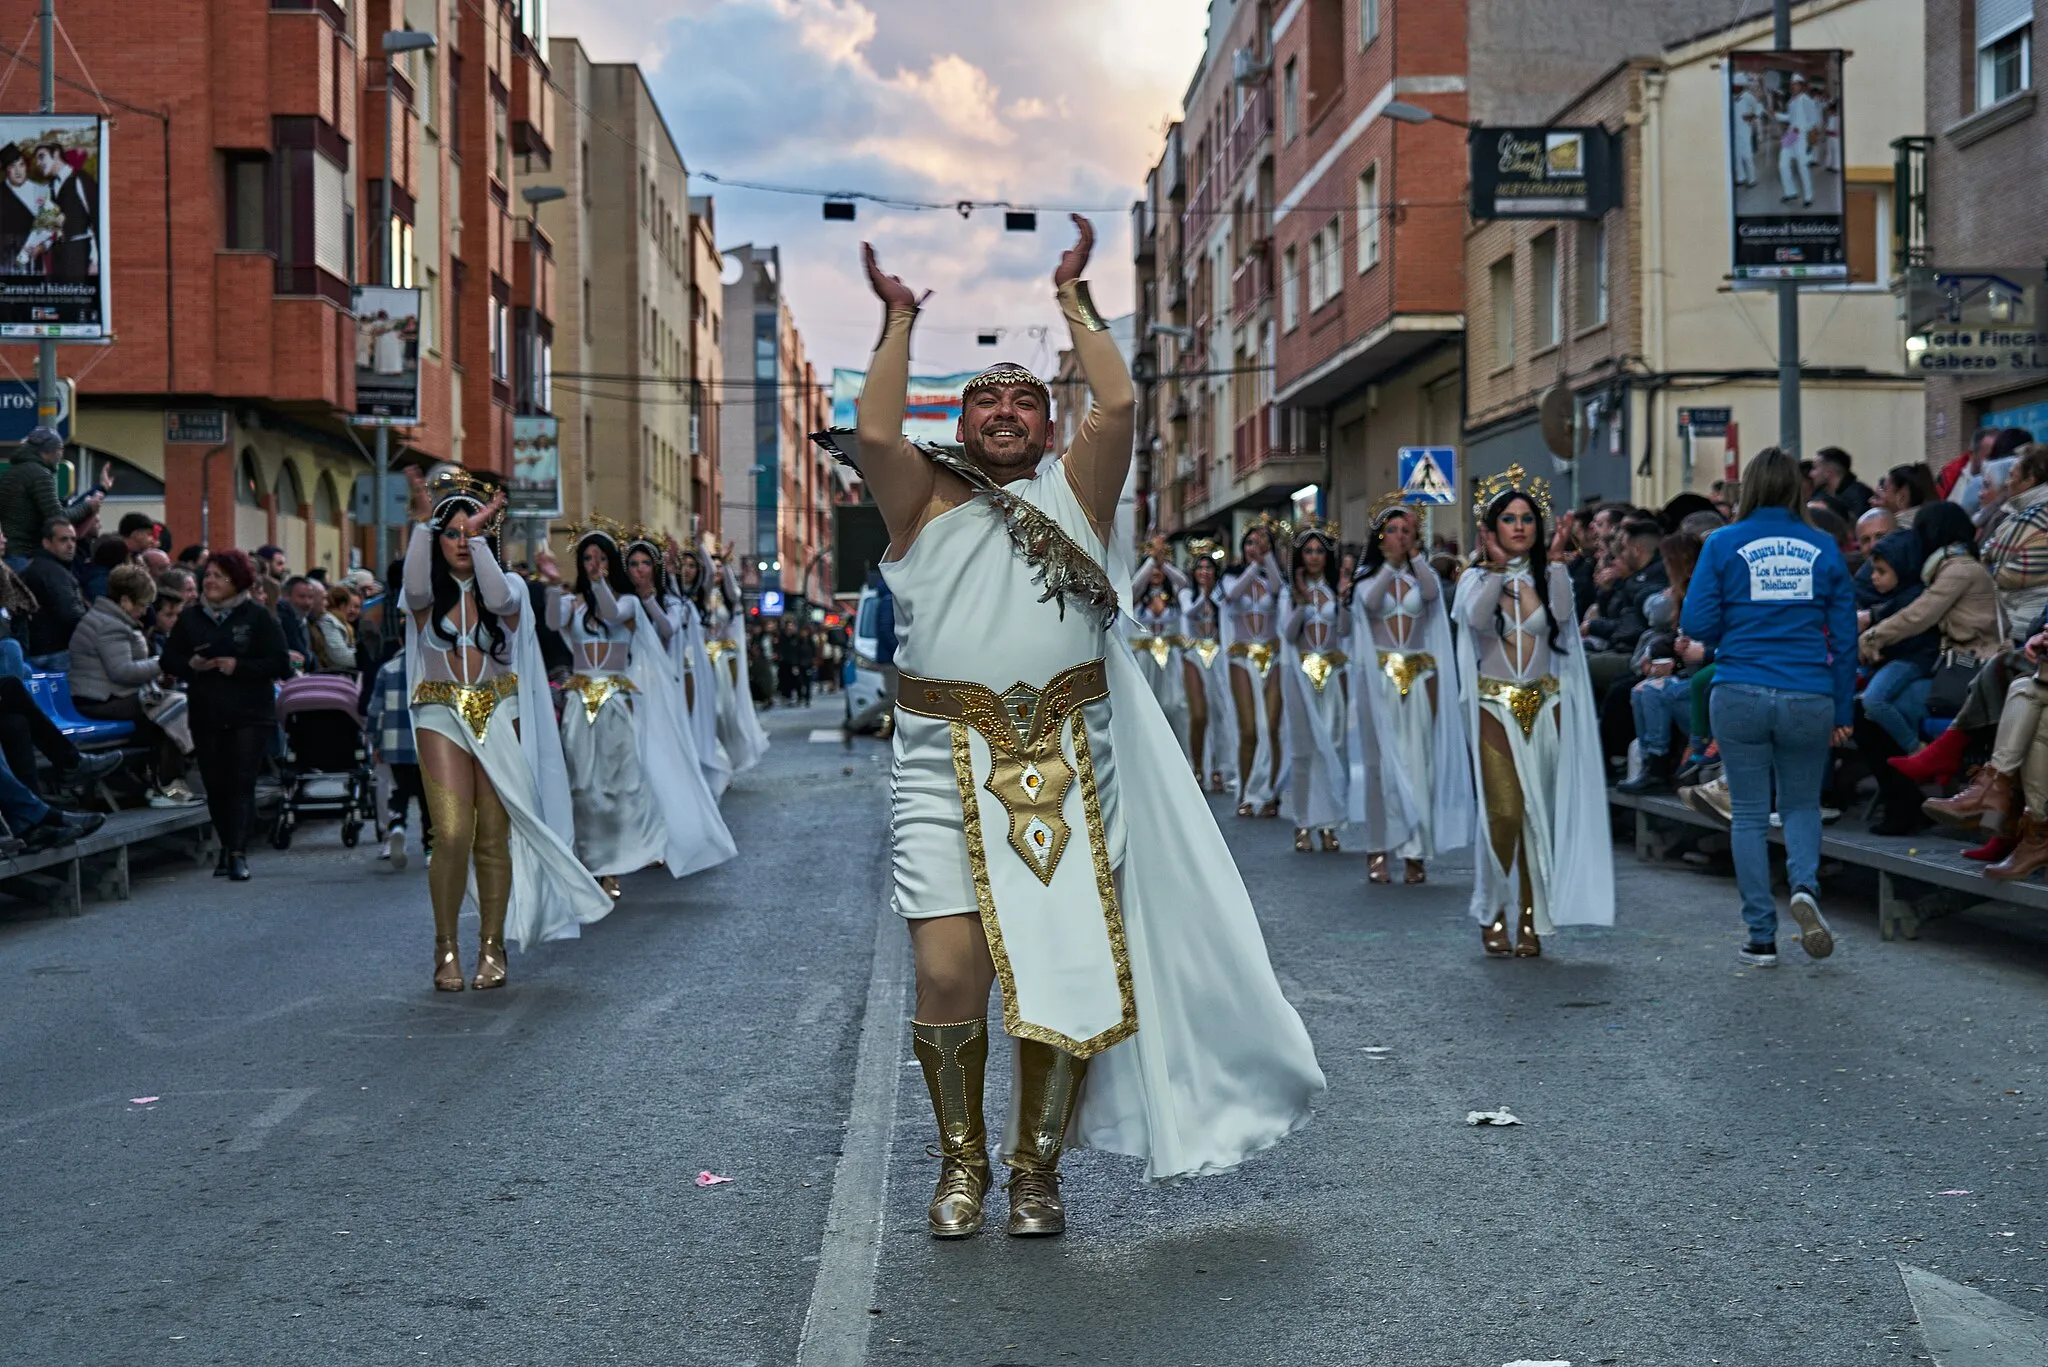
[
  {"x": 1045, "y": 830},
  {"x": 1802, "y": 118}
]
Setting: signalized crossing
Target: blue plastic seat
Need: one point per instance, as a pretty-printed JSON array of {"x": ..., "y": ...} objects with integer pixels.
[
  {"x": 52, "y": 693},
  {"x": 1932, "y": 727}
]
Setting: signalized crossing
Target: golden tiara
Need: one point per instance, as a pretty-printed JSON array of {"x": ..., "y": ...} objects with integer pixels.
[
  {"x": 1385, "y": 506},
  {"x": 1206, "y": 548},
  {"x": 655, "y": 541},
  {"x": 597, "y": 524},
  {"x": 1316, "y": 526},
  {"x": 449, "y": 483},
  {"x": 1003, "y": 375},
  {"x": 1513, "y": 480}
]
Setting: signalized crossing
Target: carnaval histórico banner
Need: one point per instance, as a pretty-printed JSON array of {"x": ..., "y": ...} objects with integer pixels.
[
  {"x": 933, "y": 413},
  {"x": 54, "y": 276},
  {"x": 1786, "y": 191}
]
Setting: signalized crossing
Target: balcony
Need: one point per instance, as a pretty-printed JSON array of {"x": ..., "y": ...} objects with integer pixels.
[
  {"x": 1200, "y": 214},
  {"x": 1253, "y": 443},
  {"x": 1909, "y": 200},
  {"x": 1249, "y": 136},
  {"x": 1250, "y": 287},
  {"x": 1195, "y": 488}
]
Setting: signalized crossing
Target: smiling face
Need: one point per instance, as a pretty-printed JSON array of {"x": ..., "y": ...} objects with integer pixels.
[
  {"x": 640, "y": 570},
  {"x": 217, "y": 587},
  {"x": 1516, "y": 526},
  {"x": 1004, "y": 428}
]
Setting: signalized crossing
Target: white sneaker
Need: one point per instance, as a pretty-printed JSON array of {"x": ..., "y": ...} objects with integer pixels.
[
  {"x": 1814, "y": 936},
  {"x": 394, "y": 847}
]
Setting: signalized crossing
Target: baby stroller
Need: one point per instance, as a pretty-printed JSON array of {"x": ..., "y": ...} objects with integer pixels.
[{"x": 326, "y": 765}]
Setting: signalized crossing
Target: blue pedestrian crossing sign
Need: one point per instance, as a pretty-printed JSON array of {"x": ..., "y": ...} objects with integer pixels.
[{"x": 1429, "y": 474}]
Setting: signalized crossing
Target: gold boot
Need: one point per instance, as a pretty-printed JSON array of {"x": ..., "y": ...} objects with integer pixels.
[
  {"x": 493, "y": 857},
  {"x": 955, "y": 1060},
  {"x": 1043, "y": 1090}
]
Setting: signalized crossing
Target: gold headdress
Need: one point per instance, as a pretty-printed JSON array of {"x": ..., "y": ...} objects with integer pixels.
[
  {"x": 1206, "y": 548},
  {"x": 647, "y": 537},
  {"x": 1514, "y": 480},
  {"x": 448, "y": 484},
  {"x": 1318, "y": 527},
  {"x": 597, "y": 524},
  {"x": 1385, "y": 506},
  {"x": 1276, "y": 529},
  {"x": 1005, "y": 373}
]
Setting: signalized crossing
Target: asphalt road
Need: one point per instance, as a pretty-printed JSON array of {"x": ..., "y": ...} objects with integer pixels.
[{"x": 1716, "y": 1164}]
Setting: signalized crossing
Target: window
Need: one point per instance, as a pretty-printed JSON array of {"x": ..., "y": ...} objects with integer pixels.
[
  {"x": 1326, "y": 264},
  {"x": 455, "y": 104},
  {"x": 583, "y": 173},
  {"x": 1369, "y": 218},
  {"x": 1543, "y": 261},
  {"x": 430, "y": 309},
  {"x": 425, "y": 77},
  {"x": 501, "y": 338},
  {"x": 1865, "y": 229},
  {"x": 1368, "y": 22},
  {"x": 2005, "y": 57},
  {"x": 1325, "y": 49},
  {"x": 1592, "y": 263},
  {"x": 1315, "y": 272},
  {"x": 1501, "y": 277},
  {"x": 248, "y": 202},
  {"x": 501, "y": 141},
  {"x": 399, "y": 243},
  {"x": 1290, "y": 101}
]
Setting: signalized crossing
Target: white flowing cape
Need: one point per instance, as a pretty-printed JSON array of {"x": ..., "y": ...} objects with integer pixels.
[
  {"x": 697, "y": 835},
  {"x": 553, "y": 895},
  {"x": 1582, "y": 838},
  {"x": 1221, "y": 738},
  {"x": 1299, "y": 695},
  {"x": 1375, "y": 751},
  {"x": 1221, "y": 1066},
  {"x": 687, "y": 660},
  {"x": 750, "y": 740}
]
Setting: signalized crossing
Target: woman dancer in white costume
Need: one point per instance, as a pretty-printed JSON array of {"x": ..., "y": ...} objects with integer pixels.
[
  {"x": 1155, "y": 633},
  {"x": 1414, "y": 794},
  {"x": 495, "y": 784},
  {"x": 1317, "y": 707},
  {"x": 1205, "y": 670},
  {"x": 675, "y": 620},
  {"x": 725, "y": 639},
  {"x": 1535, "y": 736},
  {"x": 1251, "y": 596},
  {"x": 639, "y": 790}
]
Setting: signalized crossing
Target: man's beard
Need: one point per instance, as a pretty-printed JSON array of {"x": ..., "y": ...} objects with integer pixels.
[{"x": 1002, "y": 469}]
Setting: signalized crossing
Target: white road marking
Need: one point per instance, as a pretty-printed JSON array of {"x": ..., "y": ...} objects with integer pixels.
[
  {"x": 837, "y": 1323},
  {"x": 828, "y": 736},
  {"x": 1966, "y": 1328},
  {"x": 269, "y": 1118}
]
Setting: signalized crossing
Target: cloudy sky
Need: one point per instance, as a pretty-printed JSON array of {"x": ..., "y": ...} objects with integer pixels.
[{"x": 1033, "y": 101}]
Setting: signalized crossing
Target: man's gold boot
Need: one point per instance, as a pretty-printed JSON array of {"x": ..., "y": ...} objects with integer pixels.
[
  {"x": 1043, "y": 1091},
  {"x": 955, "y": 1060}
]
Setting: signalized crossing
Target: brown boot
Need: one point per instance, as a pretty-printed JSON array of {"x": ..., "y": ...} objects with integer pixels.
[
  {"x": 2030, "y": 854},
  {"x": 1985, "y": 801}
]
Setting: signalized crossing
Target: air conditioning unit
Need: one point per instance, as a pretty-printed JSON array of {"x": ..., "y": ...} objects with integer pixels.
[{"x": 1247, "y": 67}]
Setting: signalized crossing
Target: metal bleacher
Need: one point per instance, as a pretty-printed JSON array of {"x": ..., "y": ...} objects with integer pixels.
[{"x": 1919, "y": 877}]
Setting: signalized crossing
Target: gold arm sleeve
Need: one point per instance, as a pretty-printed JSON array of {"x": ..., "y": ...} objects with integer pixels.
[
  {"x": 896, "y": 473},
  {"x": 1100, "y": 458}
]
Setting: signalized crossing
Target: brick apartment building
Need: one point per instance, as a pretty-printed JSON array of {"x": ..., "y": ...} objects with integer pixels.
[
  {"x": 1980, "y": 178},
  {"x": 780, "y": 490},
  {"x": 636, "y": 359},
  {"x": 268, "y": 154}
]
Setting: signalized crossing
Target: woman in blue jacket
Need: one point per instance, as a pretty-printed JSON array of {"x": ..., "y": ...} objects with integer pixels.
[{"x": 1772, "y": 596}]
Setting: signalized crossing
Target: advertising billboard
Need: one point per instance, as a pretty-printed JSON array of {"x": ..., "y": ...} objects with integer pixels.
[
  {"x": 55, "y": 279},
  {"x": 1983, "y": 323},
  {"x": 387, "y": 356},
  {"x": 1786, "y": 197},
  {"x": 1544, "y": 172},
  {"x": 536, "y": 489},
  {"x": 932, "y": 414}
]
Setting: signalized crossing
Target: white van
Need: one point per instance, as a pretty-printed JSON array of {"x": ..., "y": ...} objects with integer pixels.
[{"x": 870, "y": 686}]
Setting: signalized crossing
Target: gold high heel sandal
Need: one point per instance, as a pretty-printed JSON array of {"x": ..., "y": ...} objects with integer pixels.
[
  {"x": 1301, "y": 843},
  {"x": 1527, "y": 946},
  {"x": 1416, "y": 873},
  {"x": 1376, "y": 869},
  {"x": 1495, "y": 937},
  {"x": 447, "y": 966},
  {"x": 1329, "y": 841}
]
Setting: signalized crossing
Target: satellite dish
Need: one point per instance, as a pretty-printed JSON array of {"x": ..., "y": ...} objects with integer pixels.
[{"x": 1558, "y": 411}]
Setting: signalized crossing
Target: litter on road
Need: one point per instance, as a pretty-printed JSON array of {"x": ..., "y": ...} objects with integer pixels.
[
  {"x": 710, "y": 1179},
  {"x": 1503, "y": 1116}
]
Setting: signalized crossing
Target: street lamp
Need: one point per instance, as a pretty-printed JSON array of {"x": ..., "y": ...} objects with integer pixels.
[
  {"x": 1401, "y": 112},
  {"x": 395, "y": 42}
]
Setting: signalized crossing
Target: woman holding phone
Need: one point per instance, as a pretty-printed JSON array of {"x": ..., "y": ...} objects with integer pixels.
[{"x": 230, "y": 653}]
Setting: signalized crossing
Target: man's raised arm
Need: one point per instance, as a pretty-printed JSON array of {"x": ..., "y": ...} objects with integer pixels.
[
  {"x": 1100, "y": 458},
  {"x": 895, "y": 472}
]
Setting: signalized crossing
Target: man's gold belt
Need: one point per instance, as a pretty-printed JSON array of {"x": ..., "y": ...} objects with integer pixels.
[
  {"x": 1524, "y": 700},
  {"x": 1257, "y": 654},
  {"x": 1206, "y": 648},
  {"x": 1404, "y": 667},
  {"x": 1319, "y": 665},
  {"x": 1030, "y": 773},
  {"x": 1161, "y": 647},
  {"x": 474, "y": 703},
  {"x": 597, "y": 690}
]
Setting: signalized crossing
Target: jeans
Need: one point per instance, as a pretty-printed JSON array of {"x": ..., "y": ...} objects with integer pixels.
[
  {"x": 1661, "y": 705},
  {"x": 1896, "y": 699},
  {"x": 13, "y": 662},
  {"x": 1766, "y": 733},
  {"x": 56, "y": 662},
  {"x": 18, "y": 802}
]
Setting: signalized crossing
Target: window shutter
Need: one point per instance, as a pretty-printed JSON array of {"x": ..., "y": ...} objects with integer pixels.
[{"x": 1996, "y": 18}]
